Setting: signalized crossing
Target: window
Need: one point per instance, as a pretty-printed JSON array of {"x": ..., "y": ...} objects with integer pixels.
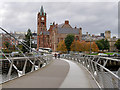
[
  {"x": 58, "y": 40},
  {"x": 42, "y": 23}
]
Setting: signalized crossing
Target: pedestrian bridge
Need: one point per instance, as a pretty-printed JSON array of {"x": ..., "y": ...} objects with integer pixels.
[
  {"x": 69, "y": 71},
  {"x": 60, "y": 73}
]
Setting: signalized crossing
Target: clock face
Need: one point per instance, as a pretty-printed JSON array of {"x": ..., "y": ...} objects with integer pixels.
[{"x": 42, "y": 18}]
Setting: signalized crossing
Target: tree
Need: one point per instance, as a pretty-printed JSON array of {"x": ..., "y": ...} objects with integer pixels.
[
  {"x": 94, "y": 47},
  {"x": 100, "y": 45},
  {"x": 75, "y": 46},
  {"x": 87, "y": 46},
  {"x": 83, "y": 46},
  {"x": 79, "y": 45},
  {"x": 61, "y": 46},
  {"x": 107, "y": 45},
  {"x": 103, "y": 44},
  {"x": 27, "y": 41},
  {"x": 68, "y": 41},
  {"x": 7, "y": 44},
  {"x": 117, "y": 44}
]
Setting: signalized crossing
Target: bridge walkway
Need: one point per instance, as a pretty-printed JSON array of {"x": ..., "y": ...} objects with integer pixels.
[{"x": 60, "y": 73}]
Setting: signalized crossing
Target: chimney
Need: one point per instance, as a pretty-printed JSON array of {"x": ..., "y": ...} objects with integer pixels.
[
  {"x": 66, "y": 22},
  {"x": 80, "y": 28},
  {"x": 56, "y": 25},
  {"x": 51, "y": 26},
  {"x": 53, "y": 23}
]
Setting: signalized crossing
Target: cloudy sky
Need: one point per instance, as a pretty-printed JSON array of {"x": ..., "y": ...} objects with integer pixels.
[{"x": 93, "y": 17}]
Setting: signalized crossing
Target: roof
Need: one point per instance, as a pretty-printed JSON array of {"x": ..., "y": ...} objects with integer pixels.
[
  {"x": 60, "y": 25},
  {"x": 68, "y": 30},
  {"x": 42, "y": 11}
]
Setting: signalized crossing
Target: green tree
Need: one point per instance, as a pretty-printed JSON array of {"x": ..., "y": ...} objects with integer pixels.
[
  {"x": 27, "y": 41},
  {"x": 100, "y": 45},
  {"x": 117, "y": 44},
  {"x": 68, "y": 41},
  {"x": 107, "y": 45},
  {"x": 103, "y": 44}
]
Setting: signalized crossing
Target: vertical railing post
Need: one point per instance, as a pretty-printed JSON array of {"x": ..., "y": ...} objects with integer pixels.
[
  {"x": 24, "y": 68},
  {"x": 10, "y": 70},
  {"x": 33, "y": 66}
]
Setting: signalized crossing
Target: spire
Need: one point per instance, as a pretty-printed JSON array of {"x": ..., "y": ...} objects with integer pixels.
[{"x": 41, "y": 11}]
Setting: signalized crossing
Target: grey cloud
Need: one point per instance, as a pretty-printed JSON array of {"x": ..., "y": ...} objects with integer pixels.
[{"x": 92, "y": 17}]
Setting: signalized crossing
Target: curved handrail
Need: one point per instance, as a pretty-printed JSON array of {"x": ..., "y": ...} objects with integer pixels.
[{"x": 97, "y": 70}]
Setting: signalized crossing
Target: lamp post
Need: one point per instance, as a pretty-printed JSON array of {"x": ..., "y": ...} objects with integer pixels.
[
  {"x": 90, "y": 43},
  {"x": 30, "y": 44}
]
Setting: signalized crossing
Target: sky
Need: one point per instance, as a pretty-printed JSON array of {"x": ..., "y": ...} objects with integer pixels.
[{"x": 93, "y": 17}]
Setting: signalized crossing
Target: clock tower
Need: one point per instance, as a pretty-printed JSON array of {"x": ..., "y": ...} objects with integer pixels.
[{"x": 41, "y": 27}]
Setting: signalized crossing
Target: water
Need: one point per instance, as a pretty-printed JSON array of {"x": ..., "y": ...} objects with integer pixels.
[{"x": 3, "y": 78}]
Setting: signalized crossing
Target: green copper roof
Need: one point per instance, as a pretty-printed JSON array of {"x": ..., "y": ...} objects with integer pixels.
[{"x": 42, "y": 11}]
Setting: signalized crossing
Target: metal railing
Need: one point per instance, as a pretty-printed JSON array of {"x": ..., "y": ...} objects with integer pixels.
[
  {"x": 14, "y": 67},
  {"x": 98, "y": 68}
]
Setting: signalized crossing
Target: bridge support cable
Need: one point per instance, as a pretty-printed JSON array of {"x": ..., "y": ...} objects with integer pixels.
[
  {"x": 26, "y": 46},
  {"x": 15, "y": 38},
  {"x": 27, "y": 58},
  {"x": 36, "y": 61}
]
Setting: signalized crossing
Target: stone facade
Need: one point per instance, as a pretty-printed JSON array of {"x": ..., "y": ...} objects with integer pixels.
[
  {"x": 108, "y": 35},
  {"x": 112, "y": 41},
  {"x": 51, "y": 37},
  {"x": 87, "y": 37},
  {"x": 59, "y": 32}
]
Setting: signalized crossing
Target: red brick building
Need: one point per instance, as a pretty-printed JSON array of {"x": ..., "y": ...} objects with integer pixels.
[
  {"x": 51, "y": 37},
  {"x": 6, "y": 38}
]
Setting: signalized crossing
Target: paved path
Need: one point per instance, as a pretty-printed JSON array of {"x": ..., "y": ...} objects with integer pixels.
[
  {"x": 59, "y": 74},
  {"x": 78, "y": 77},
  {"x": 50, "y": 76}
]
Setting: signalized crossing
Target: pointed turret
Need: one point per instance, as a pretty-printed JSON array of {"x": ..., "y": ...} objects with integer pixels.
[{"x": 42, "y": 11}]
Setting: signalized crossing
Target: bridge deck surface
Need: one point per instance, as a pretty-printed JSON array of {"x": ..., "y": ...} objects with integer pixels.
[{"x": 60, "y": 73}]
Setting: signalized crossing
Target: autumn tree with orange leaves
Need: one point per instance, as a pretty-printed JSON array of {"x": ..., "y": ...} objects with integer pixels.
[
  {"x": 83, "y": 46},
  {"x": 76, "y": 46},
  {"x": 94, "y": 47},
  {"x": 61, "y": 46}
]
